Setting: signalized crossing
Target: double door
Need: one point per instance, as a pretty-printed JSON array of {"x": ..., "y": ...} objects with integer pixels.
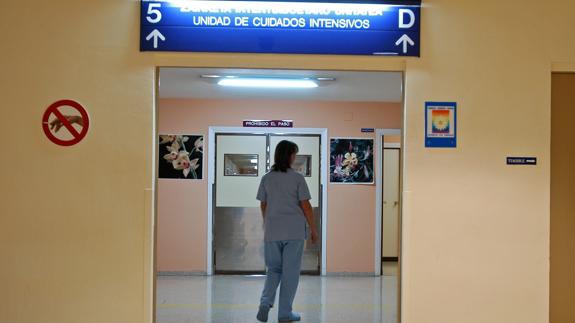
[{"x": 241, "y": 162}]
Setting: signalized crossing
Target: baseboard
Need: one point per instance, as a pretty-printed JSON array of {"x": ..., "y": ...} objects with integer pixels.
[
  {"x": 182, "y": 273},
  {"x": 351, "y": 274},
  {"x": 259, "y": 272},
  {"x": 329, "y": 274}
]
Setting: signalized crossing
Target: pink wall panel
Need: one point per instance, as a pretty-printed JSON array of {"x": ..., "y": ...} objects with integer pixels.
[{"x": 182, "y": 204}]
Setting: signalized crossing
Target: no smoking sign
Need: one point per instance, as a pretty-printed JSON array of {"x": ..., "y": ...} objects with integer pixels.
[{"x": 65, "y": 122}]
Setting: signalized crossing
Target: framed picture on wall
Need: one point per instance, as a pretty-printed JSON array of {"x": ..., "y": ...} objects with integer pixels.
[
  {"x": 440, "y": 124},
  {"x": 351, "y": 161},
  {"x": 181, "y": 156}
]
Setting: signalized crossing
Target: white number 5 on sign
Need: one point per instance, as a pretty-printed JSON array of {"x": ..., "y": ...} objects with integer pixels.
[{"x": 153, "y": 10}]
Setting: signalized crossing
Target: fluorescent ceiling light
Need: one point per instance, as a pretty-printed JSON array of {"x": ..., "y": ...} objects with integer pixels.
[{"x": 276, "y": 83}]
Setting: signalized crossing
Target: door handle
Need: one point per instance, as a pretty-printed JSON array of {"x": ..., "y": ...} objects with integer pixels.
[{"x": 395, "y": 203}]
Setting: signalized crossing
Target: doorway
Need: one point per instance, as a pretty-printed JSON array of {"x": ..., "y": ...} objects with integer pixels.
[
  {"x": 562, "y": 281},
  {"x": 390, "y": 209},
  {"x": 241, "y": 160},
  {"x": 388, "y": 202},
  {"x": 208, "y": 245}
]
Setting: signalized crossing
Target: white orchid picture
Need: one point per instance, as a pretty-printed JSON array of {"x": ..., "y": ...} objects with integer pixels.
[{"x": 181, "y": 156}]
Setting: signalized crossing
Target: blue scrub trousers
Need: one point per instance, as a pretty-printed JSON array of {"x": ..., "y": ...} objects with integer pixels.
[{"x": 283, "y": 262}]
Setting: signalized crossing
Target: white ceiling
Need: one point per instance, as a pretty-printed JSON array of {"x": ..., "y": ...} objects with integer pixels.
[{"x": 348, "y": 86}]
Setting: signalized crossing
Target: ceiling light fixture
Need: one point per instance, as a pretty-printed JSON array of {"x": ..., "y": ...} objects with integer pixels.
[{"x": 269, "y": 82}]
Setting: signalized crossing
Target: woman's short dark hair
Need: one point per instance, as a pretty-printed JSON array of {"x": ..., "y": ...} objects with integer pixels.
[{"x": 282, "y": 157}]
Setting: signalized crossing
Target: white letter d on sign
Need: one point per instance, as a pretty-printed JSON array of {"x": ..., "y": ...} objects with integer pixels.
[{"x": 402, "y": 13}]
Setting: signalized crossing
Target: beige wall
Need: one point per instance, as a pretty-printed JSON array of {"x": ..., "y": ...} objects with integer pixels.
[
  {"x": 75, "y": 231},
  {"x": 483, "y": 234},
  {"x": 562, "y": 203},
  {"x": 182, "y": 205}
]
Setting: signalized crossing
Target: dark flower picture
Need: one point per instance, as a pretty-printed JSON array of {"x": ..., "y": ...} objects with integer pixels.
[
  {"x": 351, "y": 161},
  {"x": 181, "y": 156}
]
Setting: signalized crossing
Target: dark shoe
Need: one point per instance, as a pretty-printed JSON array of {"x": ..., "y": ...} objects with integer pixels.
[
  {"x": 293, "y": 317},
  {"x": 263, "y": 313}
]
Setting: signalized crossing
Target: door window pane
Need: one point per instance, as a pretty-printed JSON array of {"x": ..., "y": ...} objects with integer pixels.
[
  {"x": 241, "y": 164},
  {"x": 302, "y": 165}
]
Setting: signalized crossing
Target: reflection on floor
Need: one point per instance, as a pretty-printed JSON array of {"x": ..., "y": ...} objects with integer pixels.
[{"x": 227, "y": 299}]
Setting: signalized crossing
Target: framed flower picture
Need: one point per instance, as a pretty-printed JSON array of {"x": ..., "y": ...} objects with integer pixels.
[
  {"x": 351, "y": 161},
  {"x": 181, "y": 156}
]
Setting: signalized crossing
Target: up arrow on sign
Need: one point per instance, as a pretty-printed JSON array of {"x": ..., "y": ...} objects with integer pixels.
[
  {"x": 405, "y": 40},
  {"x": 156, "y": 34}
]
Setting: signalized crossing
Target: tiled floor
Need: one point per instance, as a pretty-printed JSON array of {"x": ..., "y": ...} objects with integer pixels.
[{"x": 227, "y": 299}]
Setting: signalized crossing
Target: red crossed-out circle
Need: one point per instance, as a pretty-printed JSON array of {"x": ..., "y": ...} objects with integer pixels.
[{"x": 77, "y": 136}]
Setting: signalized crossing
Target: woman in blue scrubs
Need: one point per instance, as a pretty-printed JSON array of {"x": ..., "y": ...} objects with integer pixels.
[{"x": 284, "y": 200}]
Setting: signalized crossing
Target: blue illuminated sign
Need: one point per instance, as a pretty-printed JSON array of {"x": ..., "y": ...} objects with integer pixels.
[{"x": 280, "y": 27}]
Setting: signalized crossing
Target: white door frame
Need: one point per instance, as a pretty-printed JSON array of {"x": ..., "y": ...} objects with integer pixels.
[
  {"x": 379, "y": 144},
  {"x": 322, "y": 132}
]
